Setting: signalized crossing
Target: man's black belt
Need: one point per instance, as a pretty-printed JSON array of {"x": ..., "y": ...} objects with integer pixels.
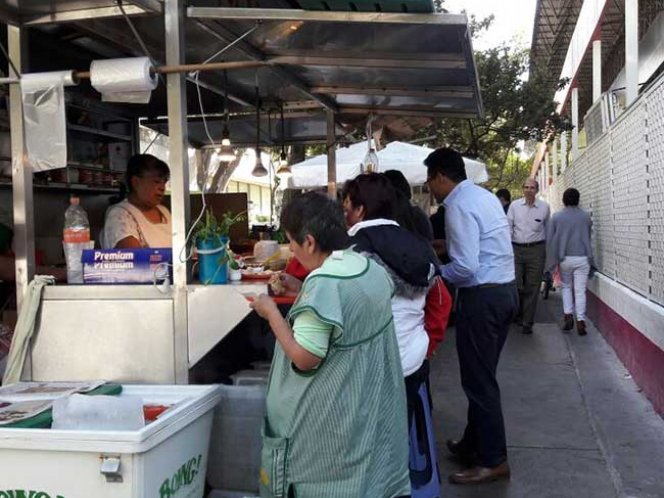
[
  {"x": 529, "y": 244},
  {"x": 487, "y": 286}
]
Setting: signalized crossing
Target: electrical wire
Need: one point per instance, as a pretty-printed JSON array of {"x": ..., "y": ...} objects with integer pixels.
[
  {"x": 196, "y": 74},
  {"x": 230, "y": 45}
]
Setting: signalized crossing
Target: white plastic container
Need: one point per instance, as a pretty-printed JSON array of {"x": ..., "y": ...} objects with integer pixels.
[
  {"x": 250, "y": 377},
  {"x": 165, "y": 459},
  {"x": 235, "y": 445}
]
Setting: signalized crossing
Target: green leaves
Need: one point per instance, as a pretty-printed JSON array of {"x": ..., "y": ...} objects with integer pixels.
[
  {"x": 518, "y": 108},
  {"x": 211, "y": 228}
]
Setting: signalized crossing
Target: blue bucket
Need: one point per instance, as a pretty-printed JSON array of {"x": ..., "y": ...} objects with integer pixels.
[{"x": 212, "y": 265}]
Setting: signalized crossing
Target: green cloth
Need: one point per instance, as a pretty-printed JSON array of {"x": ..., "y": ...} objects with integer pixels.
[
  {"x": 340, "y": 431},
  {"x": 309, "y": 331},
  {"x": 25, "y": 328}
]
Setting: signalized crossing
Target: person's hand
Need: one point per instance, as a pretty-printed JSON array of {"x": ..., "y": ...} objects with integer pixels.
[
  {"x": 264, "y": 306},
  {"x": 288, "y": 284},
  {"x": 440, "y": 247}
]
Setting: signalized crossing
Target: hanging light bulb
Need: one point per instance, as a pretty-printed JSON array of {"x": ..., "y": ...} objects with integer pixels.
[
  {"x": 370, "y": 161},
  {"x": 226, "y": 152},
  {"x": 259, "y": 169},
  {"x": 284, "y": 167}
]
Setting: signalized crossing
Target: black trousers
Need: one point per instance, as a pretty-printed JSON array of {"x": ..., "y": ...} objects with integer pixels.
[{"x": 483, "y": 319}]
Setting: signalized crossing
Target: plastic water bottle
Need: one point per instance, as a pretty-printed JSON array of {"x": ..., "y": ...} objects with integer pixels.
[
  {"x": 77, "y": 226},
  {"x": 76, "y": 237}
]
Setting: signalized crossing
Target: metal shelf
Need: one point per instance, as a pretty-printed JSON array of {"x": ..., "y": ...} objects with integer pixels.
[
  {"x": 64, "y": 187},
  {"x": 97, "y": 133}
]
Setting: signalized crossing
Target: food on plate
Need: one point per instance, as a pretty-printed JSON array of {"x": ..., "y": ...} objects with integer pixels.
[
  {"x": 276, "y": 264},
  {"x": 276, "y": 284}
]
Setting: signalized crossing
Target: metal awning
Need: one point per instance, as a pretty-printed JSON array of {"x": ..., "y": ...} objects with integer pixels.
[
  {"x": 396, "y": 65},
  {"x": 554, "y": 26}
]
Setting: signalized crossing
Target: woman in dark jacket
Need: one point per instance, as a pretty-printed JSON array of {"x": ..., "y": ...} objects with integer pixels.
[{"x": 369, "y": 207}]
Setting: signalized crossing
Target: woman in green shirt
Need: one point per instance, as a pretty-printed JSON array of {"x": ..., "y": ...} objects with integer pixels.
[{"x": 336, "y": 408}]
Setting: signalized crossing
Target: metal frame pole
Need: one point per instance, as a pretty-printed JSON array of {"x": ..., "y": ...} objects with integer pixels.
[
  {"x": 554, "y": 158},
  {"x": 179, "y": 163},
  {"x": 632, "y": 49},
  {"x": 563, "y": 151},
  {"x": 575, "y": 123},
  {"x": 597, "y": 70},
  {"x": 331, "y": 156},
  {"x": 24, "y": 226}
]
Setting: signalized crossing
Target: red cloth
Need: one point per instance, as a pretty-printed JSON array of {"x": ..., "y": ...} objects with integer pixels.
[
  {"x": 437, "y": 313},
  {"x": 296, "y": 269}
]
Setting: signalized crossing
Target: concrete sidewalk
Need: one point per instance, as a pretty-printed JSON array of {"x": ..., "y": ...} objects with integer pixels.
[{"x": 577, "y": 425}]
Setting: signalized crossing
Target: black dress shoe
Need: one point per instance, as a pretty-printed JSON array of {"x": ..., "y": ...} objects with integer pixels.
[
  {"x": 479, "y": 475},
  {"x": 527, "y": 329},
  {"x": 581, "y": 327}
]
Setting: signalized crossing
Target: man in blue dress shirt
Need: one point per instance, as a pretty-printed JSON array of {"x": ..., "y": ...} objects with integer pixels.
[{"x": 482, "y": 268}]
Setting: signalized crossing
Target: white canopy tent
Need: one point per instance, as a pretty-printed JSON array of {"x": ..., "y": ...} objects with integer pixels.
[{"x": 401, "y": 156}]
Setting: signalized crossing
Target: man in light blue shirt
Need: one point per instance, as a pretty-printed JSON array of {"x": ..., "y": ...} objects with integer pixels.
[{"x": 482, "y": 268}]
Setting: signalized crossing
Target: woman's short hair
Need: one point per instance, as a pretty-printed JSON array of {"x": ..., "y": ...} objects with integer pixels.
[
  {"x": 571, "y": 197},
  {"x": 505, "y": 194},
  {"x": 139, "y": 164},
  {"x": 316, "y": 215},
  {"x": 374, "y": 192}
]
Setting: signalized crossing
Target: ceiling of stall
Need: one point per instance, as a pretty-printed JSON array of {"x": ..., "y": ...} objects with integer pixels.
[{"x": 402, "y": 67}]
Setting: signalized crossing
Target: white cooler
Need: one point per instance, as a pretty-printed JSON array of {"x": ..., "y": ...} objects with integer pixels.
[{"x": 165, "y": 459}]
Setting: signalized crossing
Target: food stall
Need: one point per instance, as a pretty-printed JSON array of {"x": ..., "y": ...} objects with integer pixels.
[{"x": 325, "y": 71}]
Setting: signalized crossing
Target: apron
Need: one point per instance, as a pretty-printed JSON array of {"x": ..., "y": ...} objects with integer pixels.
[
  {"x": 151, "y": 234},
  {"x": 340, "y": 431}
]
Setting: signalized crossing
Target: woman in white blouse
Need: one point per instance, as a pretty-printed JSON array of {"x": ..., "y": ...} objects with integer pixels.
[{"x": 140, "y": 220}]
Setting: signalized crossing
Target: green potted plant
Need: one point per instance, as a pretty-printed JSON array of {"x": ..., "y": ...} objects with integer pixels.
[
  {"x": 211, "y": 239},
  {"x": 234, "y": 270}
]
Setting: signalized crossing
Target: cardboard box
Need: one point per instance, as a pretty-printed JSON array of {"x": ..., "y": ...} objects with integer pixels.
[{"x": 126, "y": 266}]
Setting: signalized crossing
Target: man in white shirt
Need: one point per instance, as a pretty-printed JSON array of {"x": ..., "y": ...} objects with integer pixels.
[{"x": 528, "y": 218}]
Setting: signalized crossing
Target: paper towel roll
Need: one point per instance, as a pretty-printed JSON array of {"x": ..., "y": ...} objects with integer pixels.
[
  {"x": 128, "y": 80},
  {"x": 44, "y": 118}
]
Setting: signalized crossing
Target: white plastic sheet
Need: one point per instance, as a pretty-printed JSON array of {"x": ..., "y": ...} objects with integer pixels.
[
  {"x": 45, "y": 124},
  {"x": 130, "y": 80},
  {"x": 407, "y": 158},
  {"x": 79, "y": 412}
]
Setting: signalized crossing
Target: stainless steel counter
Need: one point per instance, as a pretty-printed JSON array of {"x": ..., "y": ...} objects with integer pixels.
[{"x": 128, "y": 332}]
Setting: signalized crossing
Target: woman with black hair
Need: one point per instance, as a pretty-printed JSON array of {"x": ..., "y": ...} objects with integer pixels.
[
  {"x": 140, "y": 220},
  {"x": 335, "y": 424},
  {"x": 408, "y": 215},
  {"x": 369, "y": 203}
]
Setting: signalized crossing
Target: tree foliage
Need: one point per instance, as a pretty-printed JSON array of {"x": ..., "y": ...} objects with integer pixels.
[{"x": 517, "y": 109}]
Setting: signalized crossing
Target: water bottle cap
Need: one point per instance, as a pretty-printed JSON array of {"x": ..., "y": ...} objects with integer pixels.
[{"x": 74, "y": 200}]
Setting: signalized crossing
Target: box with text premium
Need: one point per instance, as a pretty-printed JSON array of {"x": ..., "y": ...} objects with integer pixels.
[{"x": 126, "y": 266}]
